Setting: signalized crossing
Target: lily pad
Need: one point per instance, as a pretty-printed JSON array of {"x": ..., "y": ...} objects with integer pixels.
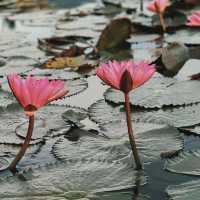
[
  {"x": 17, "y": 64},
  {"x": 84, "y": 22},
  {"x": 61, "y": 74},
  {"x": 186, "y": 36},
  {"x": 184, "y": 191},
  {"x": 102, "y": 112},
  {"x": 158, "y": 93},
  {"x": 6, "y": 99},
  {"x": 186, "y": 162},
  {"x": 151, "y": 140},
  {"x": 44, "y": 125},
  {"x": 126, "y": 195},
  {"x": 80, "y": 179},
  {"x": 190, "y": 69},
  {"x": 28, "y": 50}
]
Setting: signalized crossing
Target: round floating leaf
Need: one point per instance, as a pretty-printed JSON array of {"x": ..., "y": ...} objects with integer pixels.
[
  {"x": 28, "y": 50},
  {"x": 186, "y": 162},
  {"x": 186, "y": 36},
  {"x": 102, "y": 112},
  {"x": 49, "y": 122},
  {"x": 17, "y": 64},
  {"x": 158, "y": 93},
  {"x": 81, "y": 179},
  {"x": 12, "y": 40},
  {"x": 61, "y": 74},
  {"x": 3, "y": 163},
  {"x": 126, "y": 195},
  {"x": 80, "y": 23},
  {"x": 14, "y": 124},
  {"x": 6, "y": 99},
  {"x": 151, "y": 140},
  {"x": 189, "y": 190},
  {"x": 74, "y": 115},
  {"x": 190, "y": 69}
]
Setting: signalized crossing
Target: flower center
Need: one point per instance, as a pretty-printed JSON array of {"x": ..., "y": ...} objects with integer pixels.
[{"x": 30, "y": 109}]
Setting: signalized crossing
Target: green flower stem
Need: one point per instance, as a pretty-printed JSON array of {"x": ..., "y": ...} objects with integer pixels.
[
  {"x": 19, "y": 156},
  {"x": 130, "y": 133}
]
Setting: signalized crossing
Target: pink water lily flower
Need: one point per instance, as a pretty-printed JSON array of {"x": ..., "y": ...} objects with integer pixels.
[
  {"x": 194, "y": 19},
  {"x": 33, "y": 94},
  {"x": 158, "y": 6},
  {"x": 112, "y": 73},
  {"x": 126, "y": 76}
]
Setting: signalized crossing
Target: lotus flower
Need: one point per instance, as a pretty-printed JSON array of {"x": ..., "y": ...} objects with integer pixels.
[
  {"x": 127, "y": 76},
  {"x": 113, "y": 73},
  {"x": 194, "y": 19},
  {"x": 159, "y": 7},
  {"x": 33, "y": 94}
]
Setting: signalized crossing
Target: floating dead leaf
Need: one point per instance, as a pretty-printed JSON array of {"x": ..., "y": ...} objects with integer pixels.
[
  {"x": 56, "y": 45},
  {"x": 109, "y": 39},
  {"x": 172, "y": 59},
  {"x": 63, "y": 62},
  {"x": 72, "y": 58},
  {"x": 31, "y": 4}
]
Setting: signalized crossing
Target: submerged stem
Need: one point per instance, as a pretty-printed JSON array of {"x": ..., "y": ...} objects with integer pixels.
[
  {"x": 162, "y": 22},
  {"x": 24, "y": 146},
  {"x": 130, "y": 133},
  {"x": 141, "y": 6}
]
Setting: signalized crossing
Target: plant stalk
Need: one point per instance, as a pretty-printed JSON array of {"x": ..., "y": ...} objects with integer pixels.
[
  {"x": 162, "y": 22},
  {"x": 130, "y": 133},
  {"x": 141, "y": 6},
  {"x": 24, "y": 146}
]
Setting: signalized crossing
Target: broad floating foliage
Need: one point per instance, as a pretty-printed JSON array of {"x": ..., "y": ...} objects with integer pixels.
[
  {"x": 184, "y": 191},
  {"x": 80, "y": 179}
]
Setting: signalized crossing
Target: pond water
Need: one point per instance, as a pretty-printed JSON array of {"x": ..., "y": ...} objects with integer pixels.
[{"x": 158, "y": 178}]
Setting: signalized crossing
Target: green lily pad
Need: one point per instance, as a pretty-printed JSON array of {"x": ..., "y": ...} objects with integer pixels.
[
  {"x": 102, "y": 112},
  {"x": 158, "y": 93},
  {"x": 151, "y": 140},
  {"x": 189, "y": 190},
  {"x": 186, "y": 162},
  {"x": 77, "y": 179},
  {"x": 187, "y": 36}
]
